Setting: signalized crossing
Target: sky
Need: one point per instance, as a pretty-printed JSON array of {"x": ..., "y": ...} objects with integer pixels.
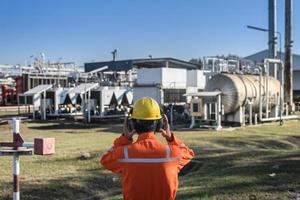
[{"x": 88, "y": 30}]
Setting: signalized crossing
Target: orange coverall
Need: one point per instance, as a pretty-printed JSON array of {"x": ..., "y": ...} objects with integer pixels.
[{"x": 148, "y": 167}]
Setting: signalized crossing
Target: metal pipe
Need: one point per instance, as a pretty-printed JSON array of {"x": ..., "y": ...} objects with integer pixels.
[
  {"x": 219, "y": 112},
  {"x": 243, "y": 115},
  {"x": 278, "y": 118},
  {"x": 209, "y": 111},
  {"x": 260, "y": 92},
  {"x": 216, "y": 110},
  {"x": 272, "y": 32},
  {"x": 281, "y": 91},
  {"x": 192, "y": 122},
  {"x": 89, "y": 106},
  {"x": 171, "y": 117},
  {"x": 16, "y": 163},
  {"x": 281, "y": 67},
  {"x": 205, "y": 111},
  {"x": 288, "y": 85},
  {"x": 267, "y": 88},
  {"x": 16, "y": 179},
  {"x": 44, "y": 106},
  {"x": 276, "y": 61},
  {"x": 28, "y": 144},
  {"x": 250, "y": 112},
  {"x": 272, "y": 28}
]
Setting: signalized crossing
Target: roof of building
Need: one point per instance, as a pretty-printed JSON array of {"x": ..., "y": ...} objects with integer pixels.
[
  {"x": 125, "y": 65},
  {"x": 38, "y": 90},
  {"x": 83, "y": 88},
  {"x": 260, "y": 56}
]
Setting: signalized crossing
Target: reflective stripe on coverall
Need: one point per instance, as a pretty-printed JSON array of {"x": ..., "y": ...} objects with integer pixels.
[{"x": 148, "y": 167}]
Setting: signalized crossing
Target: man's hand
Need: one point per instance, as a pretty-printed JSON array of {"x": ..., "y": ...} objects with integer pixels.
[
  {"x": 126, "y": 132},
  {"x": 166, "y": 132}
]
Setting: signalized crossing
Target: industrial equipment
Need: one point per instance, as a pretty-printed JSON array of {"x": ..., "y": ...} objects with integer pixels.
[
  {"x": 56, "y": 103},
  {"x": 36, "y": 97},
  {"x": 168, "y": 86},
  {"x": 87, "y": 100},
  {"x": 76, "y": 100},
  {"x": 239, "y": 91},
  {"x": 206, "y": 109},
  {"x": 246, "y": 97},
  {"x": 10, "y": 88},
  {"x": 108, "y": 102},
  {"x": 8, "y": 95}
]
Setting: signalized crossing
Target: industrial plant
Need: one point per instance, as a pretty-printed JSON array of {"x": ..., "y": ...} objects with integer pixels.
[
  {"x": 187, "y": 118},
  {"x": 213, "y": 91}
]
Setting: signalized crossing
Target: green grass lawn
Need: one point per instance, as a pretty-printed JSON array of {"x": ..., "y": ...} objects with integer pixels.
[{"x": 259, "y": 162}]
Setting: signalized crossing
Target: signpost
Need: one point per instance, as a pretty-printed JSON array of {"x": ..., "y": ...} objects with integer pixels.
[{"x": 18, "y": 148}]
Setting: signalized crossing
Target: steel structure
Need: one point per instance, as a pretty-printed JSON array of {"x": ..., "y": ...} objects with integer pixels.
[
  {"x": 272, "y": 28},
  {"x": 288, "y": 73}
]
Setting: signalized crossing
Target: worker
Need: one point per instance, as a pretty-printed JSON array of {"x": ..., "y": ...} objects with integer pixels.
[{"x": 149, "y": 168}]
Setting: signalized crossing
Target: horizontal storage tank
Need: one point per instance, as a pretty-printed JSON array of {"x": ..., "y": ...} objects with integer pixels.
[{"x": 237, "y": 88}]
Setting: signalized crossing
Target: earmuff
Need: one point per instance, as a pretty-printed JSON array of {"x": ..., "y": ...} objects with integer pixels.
[
  {"x": 130, "y": 123},
  {"x": 158, "y": 124}
]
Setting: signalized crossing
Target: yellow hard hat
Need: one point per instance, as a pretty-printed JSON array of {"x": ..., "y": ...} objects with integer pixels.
[{"x": 146, "y": 108}]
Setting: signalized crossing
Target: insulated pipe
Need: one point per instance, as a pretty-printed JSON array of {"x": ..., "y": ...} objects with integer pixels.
[
  {"x": 219, "y": 112},
  {"x": 267, "y": 89},
  {"x": 193, "y": 122},
  {"x": 281, "y": 67},
  {"x": 260, "y": 93},
  {"x": 281, "y": 91},
  {"x": 56, "y": 100},
  {"x": 250, "y": 112},
  {"x": 205, "y": 111},
  {"x": 278, "y": 118},
  {"x": 244, "y": 115}
]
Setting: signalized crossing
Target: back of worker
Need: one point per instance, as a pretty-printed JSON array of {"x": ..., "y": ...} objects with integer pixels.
[{"x": 148, "y": 167}]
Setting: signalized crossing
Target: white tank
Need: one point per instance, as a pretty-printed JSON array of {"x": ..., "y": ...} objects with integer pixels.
[{"x": 237, "y": 88}]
